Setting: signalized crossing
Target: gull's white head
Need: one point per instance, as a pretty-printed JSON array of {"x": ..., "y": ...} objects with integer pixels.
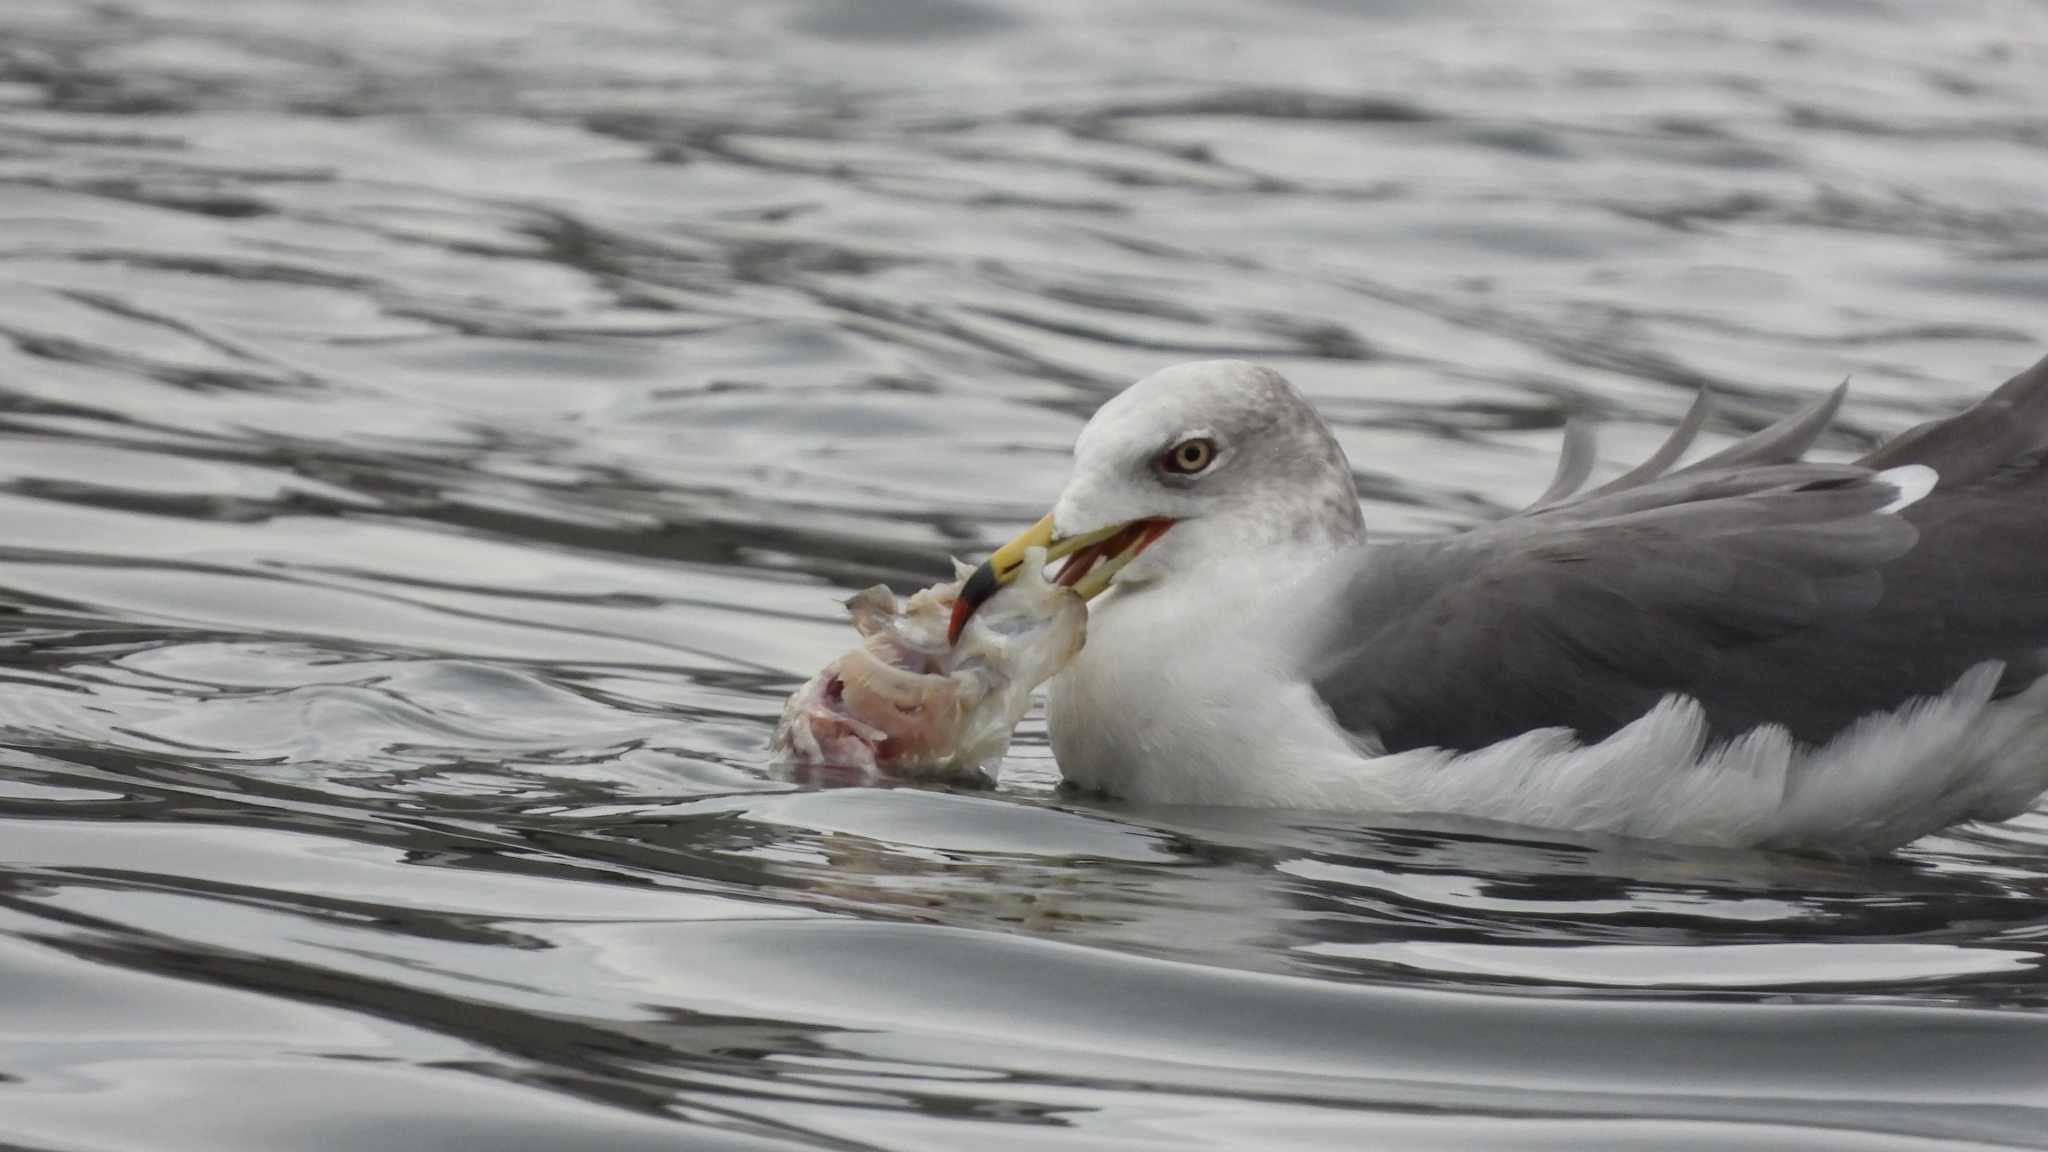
[{"x": 1193, "y": 466}]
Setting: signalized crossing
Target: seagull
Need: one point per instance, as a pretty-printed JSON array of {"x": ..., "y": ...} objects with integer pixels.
[{"x": 1751, "y": 650}]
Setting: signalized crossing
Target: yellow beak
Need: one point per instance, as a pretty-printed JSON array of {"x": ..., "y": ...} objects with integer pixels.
[{"x": 1083, "y": 575}]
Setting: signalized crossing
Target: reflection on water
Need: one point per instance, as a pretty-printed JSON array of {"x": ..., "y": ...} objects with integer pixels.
[{"x": 435, "y": 436}]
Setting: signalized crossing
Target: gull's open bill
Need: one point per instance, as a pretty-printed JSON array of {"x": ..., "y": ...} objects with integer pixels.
[{"x": 1093, "y": 560}]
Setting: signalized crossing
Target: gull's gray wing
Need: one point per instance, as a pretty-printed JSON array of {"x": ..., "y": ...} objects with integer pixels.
[{"x": 1770, "y": 590}]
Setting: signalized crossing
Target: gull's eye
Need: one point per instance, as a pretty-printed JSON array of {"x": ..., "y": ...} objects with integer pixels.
[{"x": 1189, "y": 456}]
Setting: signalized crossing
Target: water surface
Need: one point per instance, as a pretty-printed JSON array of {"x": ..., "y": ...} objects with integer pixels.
[{"x": 433, "y": 437}]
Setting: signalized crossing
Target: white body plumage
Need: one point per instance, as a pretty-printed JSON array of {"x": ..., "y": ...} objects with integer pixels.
[{"x": 1195, "y": 686}]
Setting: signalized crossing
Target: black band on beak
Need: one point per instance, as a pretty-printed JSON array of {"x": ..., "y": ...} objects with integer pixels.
[{"x": 981, "y": 584}]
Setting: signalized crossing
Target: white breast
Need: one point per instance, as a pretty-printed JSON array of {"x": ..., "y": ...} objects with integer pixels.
[{"x": 1171, "y": 702}]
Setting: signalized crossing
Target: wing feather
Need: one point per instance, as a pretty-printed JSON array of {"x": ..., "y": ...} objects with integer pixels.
[{"x": 1772, "y": 591}]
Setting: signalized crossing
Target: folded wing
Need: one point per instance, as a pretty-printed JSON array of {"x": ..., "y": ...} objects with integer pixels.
[{"x": 1770, "y": 590}]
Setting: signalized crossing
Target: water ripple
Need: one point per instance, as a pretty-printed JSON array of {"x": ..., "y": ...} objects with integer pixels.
[{"x": 435, "y": 438}]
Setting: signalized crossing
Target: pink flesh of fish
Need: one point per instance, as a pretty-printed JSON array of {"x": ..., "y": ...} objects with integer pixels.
[{"x": 907, "y": 704}]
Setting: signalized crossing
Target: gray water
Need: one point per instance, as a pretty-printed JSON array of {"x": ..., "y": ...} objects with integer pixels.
[{"x": 434, "y": 435}]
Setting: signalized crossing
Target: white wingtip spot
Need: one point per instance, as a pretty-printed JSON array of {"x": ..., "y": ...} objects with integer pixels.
[{"x": 1912, "y": 482}]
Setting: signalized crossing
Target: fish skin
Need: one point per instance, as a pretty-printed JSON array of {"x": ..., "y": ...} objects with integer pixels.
[{"x": 904, "y": 704}]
